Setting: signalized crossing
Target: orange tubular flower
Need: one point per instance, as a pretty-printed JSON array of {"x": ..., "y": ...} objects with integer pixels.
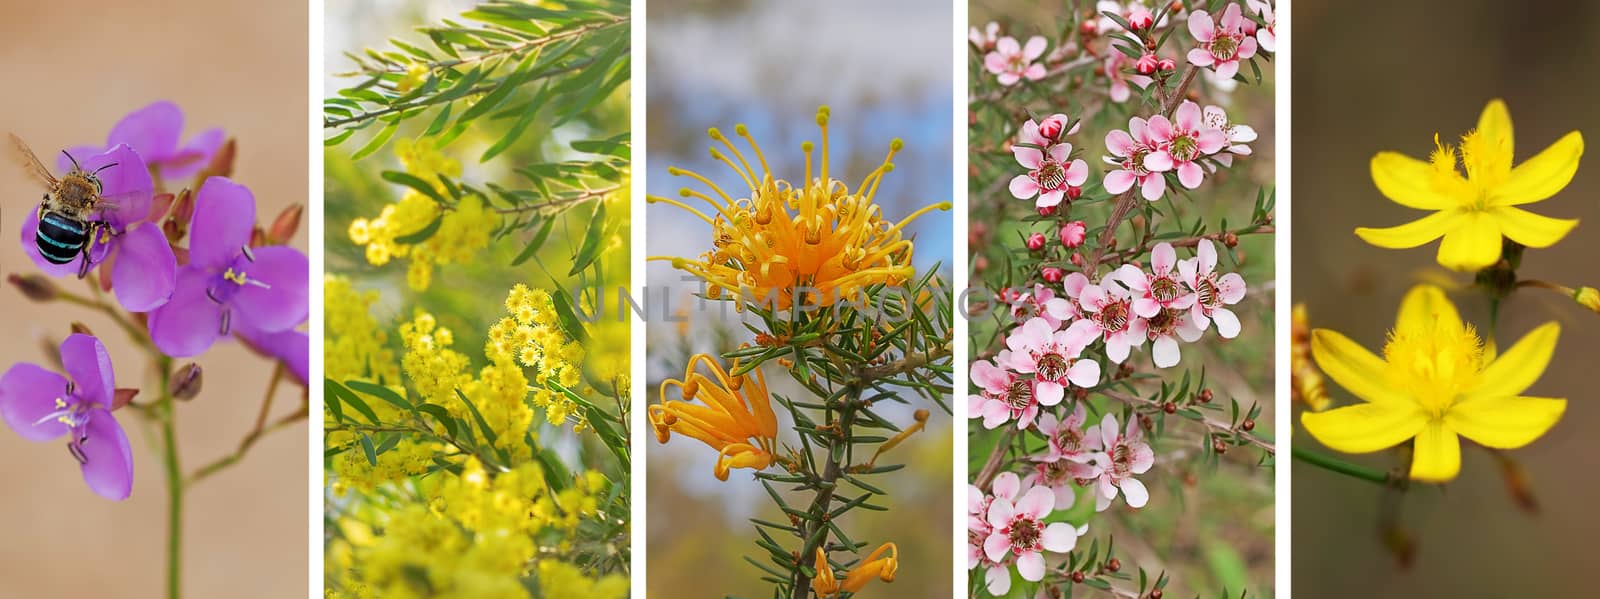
[
  {"x": 821, "y": 235},
  {"x": 875, "y": 566},
  {"x": 733, "y": 418}
]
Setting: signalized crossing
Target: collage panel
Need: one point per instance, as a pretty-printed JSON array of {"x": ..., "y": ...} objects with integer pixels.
[
  {"x": 153, "y": 377},
  {"x": 477, "y": 390},
  {"x": 1445, "y": 302},
  {"x": 798, "y": 244},
  {"x": 1120, "y": 233}
]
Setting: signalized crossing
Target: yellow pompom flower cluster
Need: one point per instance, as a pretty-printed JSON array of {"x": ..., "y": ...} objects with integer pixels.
[
  {"x": 463, "y": 230},
  {"x": 354, "y": 347},
  {"x": 821, "y": 235},
  {"x": 532, "y": 336},
  {"x": 475, "y": 537}
]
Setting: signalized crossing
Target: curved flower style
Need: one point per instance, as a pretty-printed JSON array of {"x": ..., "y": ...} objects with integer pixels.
[
  {"x": 1222, "y": 45},
  {"x": 155, "y": 132},
  {"x": 1012, "y": 62},
  {"x": 1109, "y": 307},
  {"x": 1129, "y": 150},
  {"x": 1125, "y": 455},
  {"x": 1005, "y": 395},
  {"x": 1473, "y": 212},
  {"x": 1213, "y": 294},
  {"x": 1051, "y": 173},
  {"x": 1435, "y": 381},
  {"x": 734, "y": 419},
  {"x": 143, "y": 267},
  {"x": 1180, "y": 142},
  {"x": 782, "y": 240},
  {"x": 1051, "y": 356},
  {"x": 876, "y": 566},
  {"x": 42, "y": 406},
  {"x": 1019, "y": 528},
  {"x": 226, "y": 281}
]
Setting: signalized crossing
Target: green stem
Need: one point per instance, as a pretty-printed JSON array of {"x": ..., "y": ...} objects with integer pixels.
[
  {"x": 1339, "y": 466},
  {"x": 175, "y": 487}
]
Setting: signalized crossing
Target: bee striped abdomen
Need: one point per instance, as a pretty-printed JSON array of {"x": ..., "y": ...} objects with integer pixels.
[{"x": 61, "y": 239}]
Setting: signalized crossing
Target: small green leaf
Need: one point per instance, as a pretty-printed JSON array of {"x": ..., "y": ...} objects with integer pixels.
[
  {"x": 367, "y": 448},
  {"x": 377, "y": 141},
  {"x": 591, "y": 240}
]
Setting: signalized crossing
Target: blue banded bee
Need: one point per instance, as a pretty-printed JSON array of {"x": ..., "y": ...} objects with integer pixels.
[{"x": 69, "y": 214}]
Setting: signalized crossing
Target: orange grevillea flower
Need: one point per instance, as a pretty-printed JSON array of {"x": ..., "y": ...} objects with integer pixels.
[
  {"x": 876, "y": 566},
  {"x": 820, "y": 238},
  {"x": 734, "y": 415}
]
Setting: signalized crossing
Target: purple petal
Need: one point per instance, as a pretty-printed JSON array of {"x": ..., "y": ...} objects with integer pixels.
[
  {"x": 224, "y": 214},
  {"x": 145, "y": 270},
  {"x": 153, "y": 130},
  {"x": 190, "y": 322},
  {"x": 291, "y": 347},
  {"x": 284, "y": 302},
  {"x": 87, "y": 362},
  {"x": 30, "y": 246},
  {"x": 28, "y": 393},
  {"x": 127, "y": 185},
  {"x": 108, "y": 468},
  {"x": 194, "y": 155}
]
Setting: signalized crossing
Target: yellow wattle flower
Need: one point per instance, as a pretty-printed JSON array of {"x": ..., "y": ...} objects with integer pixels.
[
  {"x": 734, "y": 417},
  {"x": 1473, "y": 212},
  {"x": 821, "y": 235},
  {"x": 875, "y": 566},
  {"x": 1434, "y": 382}
]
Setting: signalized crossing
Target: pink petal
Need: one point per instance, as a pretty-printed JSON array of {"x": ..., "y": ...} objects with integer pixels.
[
  {"x": 1084, "y": 374},
  {"x": 996, "y": 546},
  {"x": 1165, "y": 352},
  {"x": 1059, "y": 537},
  {"x": 1227, "y": 322},
  {"x": 1077, "y": 173},
  {"x": 1201, "y": 26},
  {"x": 1232, "y": 20},
  {"x": 1118, "y": 142},
  {"x": 1232, "y": 288},
  {"x": 1037, "y": 503},
  {"x": 1028, "y": 157},
  {"x": 1201, "y": 58},
  {"x": 1191, "y": 175},
  {"x": 1031, "y": 566},
  {"x": 1227, "y": 69},
  {"x": 1163, "y": 257},
  {"x": 1023, "y": 187},
  {"x": 1159, "y": 161},
  {"x": 1035, "y": 48},
  {"x": 1187, "y": 118},
  {"x": 1118, "y": 181},
  {"x": 1006, "y": 486},
  {"x": 1134, "y": 493},
  {"x": 1048, "y": 393}
]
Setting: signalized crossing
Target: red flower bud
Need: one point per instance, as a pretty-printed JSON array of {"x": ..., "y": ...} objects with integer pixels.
[
  {"x": 1036, "y": 241},
  {"x": 1052, "y": 274}
]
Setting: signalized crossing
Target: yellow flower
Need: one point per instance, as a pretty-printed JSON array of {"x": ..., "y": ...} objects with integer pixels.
[
  {"x": 821, "y": 236},
  {"x": 875, "y": 566},
  {"x": 733, "y": 418},
  {"x": 1473, "y": 212},
  {"x": 1434, "y": 382}
]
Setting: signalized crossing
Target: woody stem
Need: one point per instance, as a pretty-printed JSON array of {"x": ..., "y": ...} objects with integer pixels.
[{"x": 815, "y": 532}]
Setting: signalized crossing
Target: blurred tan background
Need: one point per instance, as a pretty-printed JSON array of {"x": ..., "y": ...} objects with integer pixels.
[
  {"x": 1374, "y": 76},
  {"x": 71, "y": 69}
]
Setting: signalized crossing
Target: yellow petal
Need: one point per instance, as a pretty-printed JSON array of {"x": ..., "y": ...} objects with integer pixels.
[
  {"x": 1407, "y": 182},
  {"x": 1437, "y": 456},
  {"x": 1532, "y": 230},
  {"x": 1350, "y": 365},
  {"x": 1505, "y": 422},
  {"x": 1495, "y": 126},
  {"x": 1516, "y": 369},
  {"x": 1473, "y": 244},
  {"x": 1412, "y": 234},
  {"x": 1366, "y": 427},
  {"x": 1541, "y": 176},
  {"x": 1423, "y": 307}
]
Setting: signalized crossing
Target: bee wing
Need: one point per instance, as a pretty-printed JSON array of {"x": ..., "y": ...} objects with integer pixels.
[{"x": 30, "y": 162}]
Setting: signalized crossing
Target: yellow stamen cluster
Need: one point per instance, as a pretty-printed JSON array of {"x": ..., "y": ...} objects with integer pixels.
[
  {"x": 734, "y": 417},
  {"x": 821, "y": 235},
  {"x": 876, "y": 566}
]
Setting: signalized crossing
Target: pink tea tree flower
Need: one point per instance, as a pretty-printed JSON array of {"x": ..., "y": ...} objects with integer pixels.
[
  {"x": 1108, "y": 307},
  {"x": 226, "y": 281},
  {"x": 1061, "y": 478},
  {"x": 1004, "y": 395},
  {"x": 1018, "y": 528},
  {"x": 1213, "y": 294},
  {"x": 1221, "y": 45},
  {"x": 1052, "y": 357},
  {"x": 1011, "y": 62},
  {"x": 984, "y": 40},
  {"x": 1129, "y": 152},
  {"x": 1122, "y": 82},
  {"x": 143, "y": 267},
  {"x": 997, "y": 573},
  {"x": 40, "y": 405},
  {"x": 1181, "y": 142},
  {"x": 1041, "y": 303},
  {"x": 1066, "y": 438},
  {"x": 1125, "y": 455},
  {"x": 1052, "y": 173},
  {"x": 1235, "y": 136},
  {"x": 1266, "y": 35},
  {"x": 156, "y": 133},
  {"x": 1159, "y": 288}
]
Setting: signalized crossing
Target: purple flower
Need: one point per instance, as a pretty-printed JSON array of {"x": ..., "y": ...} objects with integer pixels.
[
  {"x": 41, "y": 406},
  {"x": 291, "y": 347},
  {"x": 154, "y": 132},
  {"x": 143, "y": 267},
  {"x": 226, "y": 282}
]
